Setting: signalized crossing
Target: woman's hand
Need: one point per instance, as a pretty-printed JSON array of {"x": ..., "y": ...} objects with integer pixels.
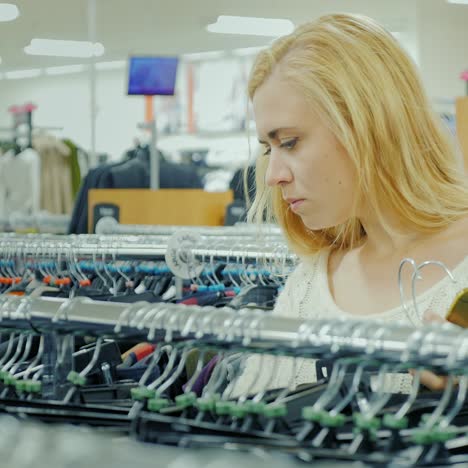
[{"x": 434, "y": 382}]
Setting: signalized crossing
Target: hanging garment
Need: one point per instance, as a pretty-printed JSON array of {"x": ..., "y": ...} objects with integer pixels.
[
  {"x": 19, "y": 182},
  {"x": 74, "y": 167},
  {"x": 56, "y": 190}
]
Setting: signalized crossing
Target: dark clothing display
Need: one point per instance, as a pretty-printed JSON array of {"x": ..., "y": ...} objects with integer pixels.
[
  {"x": 135, "y": 174},
  {"x": 237, "y": 183},
  {"x": 132, "y": 174},
  {"x": 236, "y": 212},
  {"x": 79, "y": 219}
]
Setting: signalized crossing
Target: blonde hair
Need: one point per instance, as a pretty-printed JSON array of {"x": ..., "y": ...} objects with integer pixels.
[{"x": 368, "y": 92}]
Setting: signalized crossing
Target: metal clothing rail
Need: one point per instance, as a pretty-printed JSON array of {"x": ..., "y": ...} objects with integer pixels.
[
  {"x": 79, "y": 246},
  {"x": 445, "y": 345},
  {"x": 109, "y": 225},
  {"x": 184, "y": 247}
]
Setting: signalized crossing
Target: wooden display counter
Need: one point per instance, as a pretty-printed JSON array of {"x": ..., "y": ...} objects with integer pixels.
[{"x": 185, "y": 207}]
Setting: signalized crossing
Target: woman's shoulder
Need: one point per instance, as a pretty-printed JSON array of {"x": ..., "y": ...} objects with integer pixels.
[
  {"x": 301, "y": 284},
  {"x": 450, "y": 246},
  {"x": 310, "y": 264},
  {"x": 306, "y": 271}
]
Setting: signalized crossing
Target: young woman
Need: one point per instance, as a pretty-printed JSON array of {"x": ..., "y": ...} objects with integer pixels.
[{"x": 360, "y": 173}]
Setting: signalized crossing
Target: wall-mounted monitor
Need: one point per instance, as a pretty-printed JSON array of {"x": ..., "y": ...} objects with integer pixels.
[{"x": 151, "y": 76}]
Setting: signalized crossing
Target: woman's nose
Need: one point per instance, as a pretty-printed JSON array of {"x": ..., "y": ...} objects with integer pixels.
[{"x": 278, "y": 172}]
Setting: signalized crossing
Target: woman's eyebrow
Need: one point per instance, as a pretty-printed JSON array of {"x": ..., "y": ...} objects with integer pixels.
[{"x": 274, "y": 133}]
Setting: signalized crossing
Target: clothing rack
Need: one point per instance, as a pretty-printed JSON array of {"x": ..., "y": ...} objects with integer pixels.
[
  {"x": 57, "y": 390},
  {"x": 182, "y": 253},
  {"x": 185, "y": 247},
  {"x": 22, "y": 116},
  {"x": 38, "y": 175},
  {"x": 23, "y": 257},
  {"x": 253, "y": 328}
]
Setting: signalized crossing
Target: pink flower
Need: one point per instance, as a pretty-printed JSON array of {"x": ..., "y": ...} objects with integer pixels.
[{"x": 464, "y": 75}]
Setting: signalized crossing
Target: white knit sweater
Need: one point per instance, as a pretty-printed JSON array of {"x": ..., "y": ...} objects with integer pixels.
[{"x": 307, "y": 296}]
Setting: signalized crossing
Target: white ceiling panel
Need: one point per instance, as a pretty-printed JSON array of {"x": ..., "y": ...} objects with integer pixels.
[{"x": 169, "y": 26}]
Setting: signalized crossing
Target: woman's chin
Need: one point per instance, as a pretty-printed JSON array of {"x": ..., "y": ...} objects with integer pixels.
[{"x": 315, "y": 224}]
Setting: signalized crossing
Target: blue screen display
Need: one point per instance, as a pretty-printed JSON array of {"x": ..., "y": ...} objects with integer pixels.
[{"x": 150, "y": 76}]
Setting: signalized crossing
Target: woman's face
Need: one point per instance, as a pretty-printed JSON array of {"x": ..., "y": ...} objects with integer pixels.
[{"x": 312, "y": 169}]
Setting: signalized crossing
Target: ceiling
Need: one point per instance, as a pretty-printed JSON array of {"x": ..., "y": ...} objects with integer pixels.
[{"x": 167, "y": 27}]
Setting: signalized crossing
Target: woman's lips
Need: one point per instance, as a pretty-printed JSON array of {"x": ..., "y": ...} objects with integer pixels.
[{"x": 296, "y": 204}]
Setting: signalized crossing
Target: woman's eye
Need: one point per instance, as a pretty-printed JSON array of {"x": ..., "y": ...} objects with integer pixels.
[{"x": 289, "y": 144}]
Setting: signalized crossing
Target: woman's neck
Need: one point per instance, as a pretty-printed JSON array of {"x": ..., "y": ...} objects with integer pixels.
[{"x": 380, "y": 243}]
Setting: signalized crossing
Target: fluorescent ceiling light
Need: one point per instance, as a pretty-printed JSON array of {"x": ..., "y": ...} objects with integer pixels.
[
  {"x": 19, "y": 74},
  {"x": 205, "y": 55},
  {"x": 8, "y": 12},
  {"x": 251, "y": 26},
  {"x": 460, "y": 2},
  {"x": 248, "y": 51},
  {"x": 65, "y": 69},
  {"x": 114, "y": 65},
  {"x": 1, "y": 60},
  {"x": 58, "y": 48}
]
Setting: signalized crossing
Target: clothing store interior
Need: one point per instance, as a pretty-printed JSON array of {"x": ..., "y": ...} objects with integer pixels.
[{"x": 233, "y": 233}]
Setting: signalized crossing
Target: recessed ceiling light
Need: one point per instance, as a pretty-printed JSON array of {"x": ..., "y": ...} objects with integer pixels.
[
  {"x": 8, "y": 12},
  {"x": 214, "y": 54},
  {"x": 59, "y": 48},
  {"x": 251, "y": 26},
  {"x": 113, "y": 65},
  {"x": 19, "y": 74},
  {"x": 460, "y": 2},
  {"x": 63, "y": 70}
]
